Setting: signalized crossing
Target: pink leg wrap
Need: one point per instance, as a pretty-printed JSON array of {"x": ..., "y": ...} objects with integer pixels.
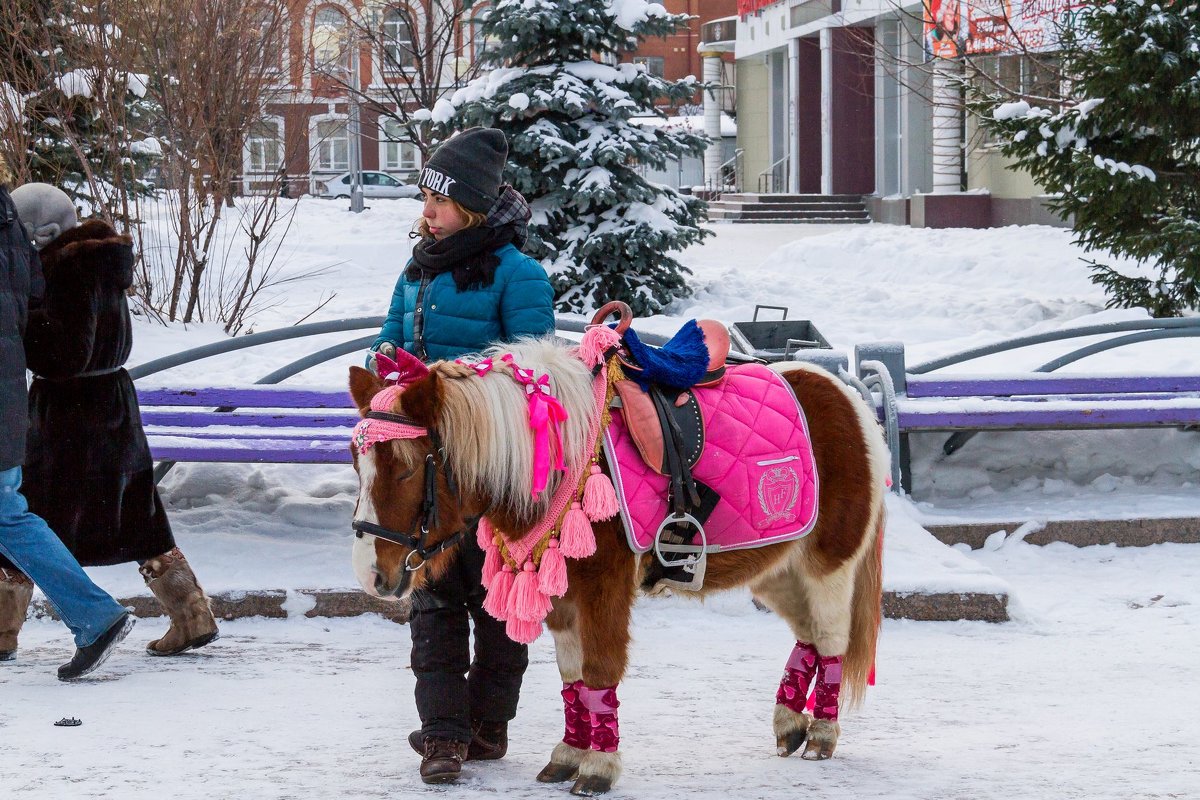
[
  {"x": 829, "y": 685},
  {"x": 579, "y": 722},
  {"x": 601, "y": 705},
  {"x": 801, "y": 667}
]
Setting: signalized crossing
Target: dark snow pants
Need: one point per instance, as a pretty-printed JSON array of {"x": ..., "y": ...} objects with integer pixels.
[{"x": 452, "y": 689}]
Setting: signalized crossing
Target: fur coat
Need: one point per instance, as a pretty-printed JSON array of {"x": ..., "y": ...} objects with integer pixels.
[{"x": 88, "y": 470}]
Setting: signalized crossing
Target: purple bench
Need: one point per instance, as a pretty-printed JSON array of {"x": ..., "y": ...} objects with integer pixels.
[{"x": 263, "y": 424}]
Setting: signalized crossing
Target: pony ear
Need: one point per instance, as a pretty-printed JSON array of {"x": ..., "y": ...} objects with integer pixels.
[
  {"x": 422, "y": 400},
  {"x": 363, "y": 386}
]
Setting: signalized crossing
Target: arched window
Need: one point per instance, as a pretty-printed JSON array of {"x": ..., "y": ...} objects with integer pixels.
[
  {"x": 398, "y": 38},
  {"x": 264, "y": 146},
  {"x": 475, "y": 44},
  {"x": 330, "y": 40}
]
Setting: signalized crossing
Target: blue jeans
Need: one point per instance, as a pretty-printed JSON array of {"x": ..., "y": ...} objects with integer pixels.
[{"x": 27, "y": 541}]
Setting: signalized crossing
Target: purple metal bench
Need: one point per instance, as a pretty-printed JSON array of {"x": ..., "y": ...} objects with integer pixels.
[
  {"x": 263, "y": 424},
  {"x": 910, "y": 400}
]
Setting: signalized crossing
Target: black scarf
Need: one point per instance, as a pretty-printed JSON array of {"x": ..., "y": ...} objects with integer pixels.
[{"x": 469, "y": 254}]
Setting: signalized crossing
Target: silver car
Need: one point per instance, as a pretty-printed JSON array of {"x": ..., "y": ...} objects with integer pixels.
[{"x": 374, "y": 184}]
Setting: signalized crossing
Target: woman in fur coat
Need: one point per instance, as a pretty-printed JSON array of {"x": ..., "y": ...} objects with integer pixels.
[{"x": 88, "y": 470}]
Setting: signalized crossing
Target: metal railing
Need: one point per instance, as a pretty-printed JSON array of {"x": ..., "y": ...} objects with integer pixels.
[
  {"x": 774, "y": 178},
  {"x": 729, "y": 174}
]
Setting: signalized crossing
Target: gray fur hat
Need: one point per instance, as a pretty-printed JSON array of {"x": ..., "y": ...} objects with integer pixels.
[
  {"x": 468, "y": 168},
  {"x": 45, "y": 210}
]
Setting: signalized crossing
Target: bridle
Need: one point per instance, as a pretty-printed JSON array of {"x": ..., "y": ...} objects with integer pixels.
[{"x": 415, "y": 539}]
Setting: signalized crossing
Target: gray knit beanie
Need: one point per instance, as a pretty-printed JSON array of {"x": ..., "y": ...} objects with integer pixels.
[
  {"x": 468, "y": 169},
  {"x": 45, "y": 211}
]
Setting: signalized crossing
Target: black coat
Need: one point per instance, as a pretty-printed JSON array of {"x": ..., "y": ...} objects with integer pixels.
[
  {"x": 20, "y": 279},
  {"x": 88, "y": 470}
]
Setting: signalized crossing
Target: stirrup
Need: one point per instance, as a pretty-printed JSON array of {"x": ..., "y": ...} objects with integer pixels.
[{"x": 691, "y": 561}]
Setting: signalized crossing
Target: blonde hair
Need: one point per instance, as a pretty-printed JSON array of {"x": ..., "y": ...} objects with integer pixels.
[
  {"x": 6, "y": 177},
  {"x": 473, "y": 219}
]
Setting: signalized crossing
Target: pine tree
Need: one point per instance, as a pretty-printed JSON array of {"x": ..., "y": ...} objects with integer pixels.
[
  {"x": 557, "y": 91},
  {"x": 86, "y": 116},
  {"x": 1122, "y": 158}
]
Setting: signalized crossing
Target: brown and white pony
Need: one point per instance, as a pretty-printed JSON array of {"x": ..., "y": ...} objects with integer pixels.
[{"x": 826, "y": 586}]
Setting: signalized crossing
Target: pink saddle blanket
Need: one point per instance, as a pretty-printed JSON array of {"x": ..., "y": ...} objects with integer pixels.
[{"x": 757, "y": 456}]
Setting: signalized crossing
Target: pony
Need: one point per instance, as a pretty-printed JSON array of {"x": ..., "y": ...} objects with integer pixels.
[{"x": 451, "y": 447}]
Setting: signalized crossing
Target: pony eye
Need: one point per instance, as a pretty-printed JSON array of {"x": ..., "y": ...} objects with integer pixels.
[{"x": 403, "y": 476}]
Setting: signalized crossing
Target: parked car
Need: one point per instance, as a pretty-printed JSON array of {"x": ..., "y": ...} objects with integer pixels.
[{"x": 374, "y": 184}]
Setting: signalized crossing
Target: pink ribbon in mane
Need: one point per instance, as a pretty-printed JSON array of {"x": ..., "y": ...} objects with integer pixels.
[{"x": 546, "y": 417}]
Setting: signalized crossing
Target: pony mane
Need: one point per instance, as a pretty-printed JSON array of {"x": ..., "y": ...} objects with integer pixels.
[{"x": 484, "y": 423}]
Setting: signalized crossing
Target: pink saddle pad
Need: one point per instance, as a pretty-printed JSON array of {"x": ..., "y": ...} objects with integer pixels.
[{"x": 757, "y": 456}]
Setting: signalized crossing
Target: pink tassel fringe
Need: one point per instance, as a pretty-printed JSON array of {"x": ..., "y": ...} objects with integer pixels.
[
  {"x": 523, "y": 631},
  {"x": 484, "y": 534},
  {"x": 597, "y": 341},
  {"x": 552, "y": 572},
  {"x": 496, "y": 602},
  {"x": 576, "y": 539},
  {"x": 492, "y": 562},
  {"x": 527, "y": 601},
  {"x": 599, "y": 496}
]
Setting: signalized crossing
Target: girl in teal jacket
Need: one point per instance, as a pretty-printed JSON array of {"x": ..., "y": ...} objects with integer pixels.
[{"x": 468, "y": 285}]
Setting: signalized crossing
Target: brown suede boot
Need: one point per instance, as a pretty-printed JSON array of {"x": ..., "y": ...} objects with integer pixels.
[
  {"x": 172, "y": 581},
  {"x": 489, "y": 741},
  {"x": 15, "y": 592}
]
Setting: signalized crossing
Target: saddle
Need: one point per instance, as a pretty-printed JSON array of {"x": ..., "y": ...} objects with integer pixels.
[{"x": 664, "y": 420}]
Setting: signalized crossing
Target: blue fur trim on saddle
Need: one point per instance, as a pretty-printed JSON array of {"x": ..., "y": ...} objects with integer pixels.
[{"x": 680, "y": 363}]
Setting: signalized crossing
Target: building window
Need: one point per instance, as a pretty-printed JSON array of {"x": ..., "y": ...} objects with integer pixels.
[
  {"x": 399, "y": 44},
  {"x": 475, "y": 44},
  {"x": 394, "y": 152},
  {"x": 654, "y": 64},
  {"x": 270, "y": 37},
  {"x": 331, "y": 145},
  {"x": 331, "y": 40},
  {"x": 264, "y": 146}
]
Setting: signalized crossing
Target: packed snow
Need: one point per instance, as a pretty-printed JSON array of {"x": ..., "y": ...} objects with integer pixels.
[{"x": 1088, "y": 692}]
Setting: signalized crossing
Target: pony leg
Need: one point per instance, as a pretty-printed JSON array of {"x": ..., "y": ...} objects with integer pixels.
[
  {"x": 791, "y": 723},
  {"x": 825, "y": 729},
  {"x": 576, "y": 742}
]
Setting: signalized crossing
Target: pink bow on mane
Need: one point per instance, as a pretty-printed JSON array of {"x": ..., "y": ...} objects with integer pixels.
[
  {"x": 546, "y": 417},
  {"x": 405, "y": 368}
]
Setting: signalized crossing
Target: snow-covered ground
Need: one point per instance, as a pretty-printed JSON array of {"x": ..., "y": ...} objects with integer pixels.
[{"x": 1089, "y": 692}]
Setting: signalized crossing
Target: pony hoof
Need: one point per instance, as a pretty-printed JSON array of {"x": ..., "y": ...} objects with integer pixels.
[
  {"x": 790, "y": 742},
  {"x": 557, "y": 773},
  {"x": 817, "y": 752},
  {"x": 591, "y": 786},
  {"x": 822, "y": 739}
]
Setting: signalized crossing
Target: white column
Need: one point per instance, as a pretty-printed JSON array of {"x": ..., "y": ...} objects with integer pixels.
[
  {"x": 947, "y": 127},
  {"x": 712, "y": 119},
  {"x": 826, "y": 111},
  {"x": 793, "y": 90}
]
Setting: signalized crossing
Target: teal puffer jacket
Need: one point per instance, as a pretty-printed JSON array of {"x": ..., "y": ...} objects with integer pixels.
[{"x": 433, "y": 320}]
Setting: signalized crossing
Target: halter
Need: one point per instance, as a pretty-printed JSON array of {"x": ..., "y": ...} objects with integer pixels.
[{"x": 398, "y": 426}]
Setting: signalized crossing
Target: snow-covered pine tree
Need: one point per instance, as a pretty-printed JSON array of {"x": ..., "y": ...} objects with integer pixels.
[
  {"x": 557, "y": 91},
  {"x": 1122, "y": 156},
  {"x": 85, "y": 114}
]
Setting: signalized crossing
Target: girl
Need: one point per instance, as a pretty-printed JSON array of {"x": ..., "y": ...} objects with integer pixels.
[{"x": 467, "y": 285}]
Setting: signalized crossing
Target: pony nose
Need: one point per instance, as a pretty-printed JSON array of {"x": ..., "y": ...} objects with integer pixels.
[{"x": 381, "y": 584}]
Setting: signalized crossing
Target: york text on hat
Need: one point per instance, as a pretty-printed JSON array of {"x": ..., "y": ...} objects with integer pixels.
[{"x": 436, "y": 181}]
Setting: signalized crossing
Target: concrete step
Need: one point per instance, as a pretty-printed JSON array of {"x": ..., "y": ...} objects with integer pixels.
[
  {"x": 753, "y": 197},
  {"x": 312, "y": 603},
  {"x": 799, "y": 213},
  {"x": 1137, "y": 532},
  {"x": 787, "y": 206}
]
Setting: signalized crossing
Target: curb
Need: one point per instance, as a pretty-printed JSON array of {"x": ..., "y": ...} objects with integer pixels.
[
  {"x": 332, "y": 603},
  {"x": 1139, "y": 532}
]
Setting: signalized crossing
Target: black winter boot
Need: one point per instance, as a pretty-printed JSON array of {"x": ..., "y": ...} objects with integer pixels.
[{"x": 93, "y": 655}]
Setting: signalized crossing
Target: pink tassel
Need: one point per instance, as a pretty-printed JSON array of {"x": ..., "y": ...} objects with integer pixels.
[
  {"x": 492, "y": 562},
  {"x": 522, "y": 630},
  {"x": 552, "y": 572},
  {"x": 596, "y": 342},
  {"x": 496, "y": 602},
  {"x": 484, "y": 534},
  {"x": 526, "y": 601},
  {"x": 576, "y": 539},
  {"x": 599, "y": 496}
]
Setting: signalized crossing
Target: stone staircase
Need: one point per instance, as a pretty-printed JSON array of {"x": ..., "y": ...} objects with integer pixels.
[{"x": 811, "y": 208}]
